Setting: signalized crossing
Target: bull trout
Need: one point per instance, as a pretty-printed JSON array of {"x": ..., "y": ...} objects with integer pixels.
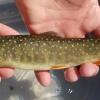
[{"x": 45, "y": 52}]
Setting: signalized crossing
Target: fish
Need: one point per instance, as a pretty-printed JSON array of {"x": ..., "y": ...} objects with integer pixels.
[{"x": 47, "y": 52}]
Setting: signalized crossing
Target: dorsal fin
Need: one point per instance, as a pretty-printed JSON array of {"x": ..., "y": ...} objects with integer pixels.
[{"x": 48, "y": 34}]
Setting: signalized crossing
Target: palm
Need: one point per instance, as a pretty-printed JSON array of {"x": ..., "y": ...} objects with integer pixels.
[
  {"x": 69, "y": 18},
  {"x": 72, "y": 18}
]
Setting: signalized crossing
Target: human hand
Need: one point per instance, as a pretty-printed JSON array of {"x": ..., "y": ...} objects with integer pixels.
[
  {"x": 68, "y": 18},
  {"x": 5, "y": 30}
]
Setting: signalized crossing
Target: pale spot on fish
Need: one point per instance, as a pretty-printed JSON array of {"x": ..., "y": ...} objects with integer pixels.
[
  {"x": 25, "y": 38},
  {"x": 25, "y": 44},
  {"x": 10, "y": 40},
  {"x": 90, "y": 48},
  {"x": 15, "y": 41},
  {"x": 39, "y": 41},
  {"x": 19, "y": 45},
  {"x": 88, "y": 40},
  {"x": 95, "y": 41},
  {"x": 21, "y": 40},
  {"x": 45, "y": 50},
  {"x": 13, "y": 48},
  {"x": 60, "y": 47},
  {"x": 96, "y": 48},
  {"x": 72, "y": 45},
  {"x": 52, "y": 39},
  {"x": 58, "y": 41},
  {"x": 80, "y": 50},
  {"x": 31, "y": 42},
  {"x": 8, "y": 51},
  {"x": 32, "y": 48},
  {"x": 44, "y": 44},
  {"x": 4, "y": 45},
  {"x": 52, "y": 46},
  {"x": 83, "y": 40},
  {"x": 63, "y": 41},
  {"x": 87, "y": 45},
  {"x": 7, "y": 43},
  {"x": 47, "y": 39},
  {"x": 66, "y": 47},
  {"x": 69, "y": 41},
  {"x": 10, "y": 55},
  {"x": 3, "y": 40},
  {"x": 77, "y": 44},
  {"x": 83, "y": 45},
  {"x": 93, "y": 44}
]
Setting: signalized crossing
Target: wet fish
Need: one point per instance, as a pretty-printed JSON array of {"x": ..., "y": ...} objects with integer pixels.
[{"x": 45, "y": 52}]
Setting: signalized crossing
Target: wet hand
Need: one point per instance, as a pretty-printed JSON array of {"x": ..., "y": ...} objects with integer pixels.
[{"x": 5, "y": 30}]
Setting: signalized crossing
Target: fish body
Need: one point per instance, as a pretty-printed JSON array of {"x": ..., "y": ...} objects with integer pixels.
[{"x": 42, "y": 52}]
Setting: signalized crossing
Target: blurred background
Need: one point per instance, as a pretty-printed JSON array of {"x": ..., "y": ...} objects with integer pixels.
[{"x": 24, "y": 86}]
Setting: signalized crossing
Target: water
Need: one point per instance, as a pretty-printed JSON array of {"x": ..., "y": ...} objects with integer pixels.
[{"x": 24, "y": 86}]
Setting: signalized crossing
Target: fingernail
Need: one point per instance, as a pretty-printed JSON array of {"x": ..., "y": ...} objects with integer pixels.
[{"x": 96, "y": 71}]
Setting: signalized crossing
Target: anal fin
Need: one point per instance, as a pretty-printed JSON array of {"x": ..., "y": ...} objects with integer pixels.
[{"x": 57, "y": 67}]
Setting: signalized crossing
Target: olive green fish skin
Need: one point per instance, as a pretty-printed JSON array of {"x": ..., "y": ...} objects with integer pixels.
[{"x": 41, "y": 52}]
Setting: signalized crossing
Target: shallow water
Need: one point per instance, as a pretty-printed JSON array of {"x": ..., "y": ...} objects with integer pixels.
[{"x": 24, "y": 86}]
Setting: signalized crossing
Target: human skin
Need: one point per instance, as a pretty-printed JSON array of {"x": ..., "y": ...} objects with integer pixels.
[{"x": 69, "y": 19}]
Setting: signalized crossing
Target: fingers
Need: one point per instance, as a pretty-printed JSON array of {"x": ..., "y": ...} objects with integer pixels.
[
  {"x": 85, "y": 70},
  {"x": 5, "y": 30},
  {"x": 43, "y": 77},
  {"x": 88, "y": 70},
  {"x": 6, "y": 72},
  {"x": 71, "y": 75}
]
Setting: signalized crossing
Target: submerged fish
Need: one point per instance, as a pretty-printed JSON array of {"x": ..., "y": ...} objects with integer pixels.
[{"x": 45, "y": 52}]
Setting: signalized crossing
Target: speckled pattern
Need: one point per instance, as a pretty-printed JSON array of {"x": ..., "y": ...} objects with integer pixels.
[{"x": 43, "y": 52}]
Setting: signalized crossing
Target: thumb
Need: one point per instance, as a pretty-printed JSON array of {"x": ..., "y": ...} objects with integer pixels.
[{"x": 5, "y": 30}]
